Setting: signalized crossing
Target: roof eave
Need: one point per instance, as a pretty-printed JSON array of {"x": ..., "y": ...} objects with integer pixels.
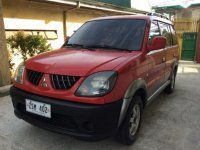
[{"x": 95, "y": 5}]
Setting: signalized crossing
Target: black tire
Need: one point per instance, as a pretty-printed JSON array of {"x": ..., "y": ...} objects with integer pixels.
[
  {"x": 170, "y": 88},
  {"x": 124, "y": 134}
]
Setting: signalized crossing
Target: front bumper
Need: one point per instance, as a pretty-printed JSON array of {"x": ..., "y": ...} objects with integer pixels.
[{"x": 86, "y": 121}]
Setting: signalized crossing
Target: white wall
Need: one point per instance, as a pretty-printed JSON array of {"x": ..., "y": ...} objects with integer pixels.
[
  {"x": 141, "y": 5},
  {"x": 26, "y": 15}
]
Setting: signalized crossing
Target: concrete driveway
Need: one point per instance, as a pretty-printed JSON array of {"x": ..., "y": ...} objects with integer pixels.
[{"x": 171, "y": 122}]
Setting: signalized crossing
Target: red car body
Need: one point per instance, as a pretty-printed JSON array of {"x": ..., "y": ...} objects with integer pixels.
[{"x": 145, "y": 70}]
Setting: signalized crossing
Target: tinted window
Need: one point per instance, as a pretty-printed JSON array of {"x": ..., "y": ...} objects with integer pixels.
[
  {"x": 154, "y": 30},
  {"x": 165, "y": 31},
  {"x": 119, "y": 33},
  {"x": 174, "y": 39}
]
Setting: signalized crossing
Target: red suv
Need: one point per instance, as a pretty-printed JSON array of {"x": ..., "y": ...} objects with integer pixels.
[{"x": 98, "y": 83}]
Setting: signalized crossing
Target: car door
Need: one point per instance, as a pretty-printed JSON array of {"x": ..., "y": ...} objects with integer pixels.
[
  {"x": 170, "y": 49},
  {"x": 156, "y": 65}
]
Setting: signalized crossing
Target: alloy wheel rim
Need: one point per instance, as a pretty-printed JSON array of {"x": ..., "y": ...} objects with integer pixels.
[{"x": 134, "y": 119}]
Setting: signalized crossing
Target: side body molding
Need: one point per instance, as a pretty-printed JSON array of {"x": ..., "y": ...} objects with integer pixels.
[{"x": 132, "y": 89}]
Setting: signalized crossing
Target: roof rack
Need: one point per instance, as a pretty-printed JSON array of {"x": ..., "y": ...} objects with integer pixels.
[{"x": 158, "y": 15}]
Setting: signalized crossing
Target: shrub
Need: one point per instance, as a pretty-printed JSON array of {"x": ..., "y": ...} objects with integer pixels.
[
  {"x": 25, "y": 46},
  {"x": 28, "y": 45}
]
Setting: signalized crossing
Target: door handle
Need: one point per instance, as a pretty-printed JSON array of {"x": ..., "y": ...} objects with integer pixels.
[{"x": 163, "y": 59}]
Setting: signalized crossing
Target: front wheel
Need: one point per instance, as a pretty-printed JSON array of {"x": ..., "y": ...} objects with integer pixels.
[{"x": 130, "y": 127}]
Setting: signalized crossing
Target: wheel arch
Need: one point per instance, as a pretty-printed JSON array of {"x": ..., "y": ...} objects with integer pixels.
[
  {"x": 138, "y": 86},
  {"x": 175, "y": 68}
]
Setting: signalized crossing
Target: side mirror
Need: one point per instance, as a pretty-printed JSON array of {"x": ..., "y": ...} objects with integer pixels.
[{"x": 158, "y": 42}]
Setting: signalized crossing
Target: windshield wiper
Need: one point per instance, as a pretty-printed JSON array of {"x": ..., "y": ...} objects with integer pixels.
[
  {"x": 92, "y": 47},
  {"x": 78, "y": 46},
  {"x": 108, "y": 47}
]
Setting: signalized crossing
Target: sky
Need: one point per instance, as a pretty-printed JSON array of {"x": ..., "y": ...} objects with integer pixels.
[{"x": 183, "y": 3}]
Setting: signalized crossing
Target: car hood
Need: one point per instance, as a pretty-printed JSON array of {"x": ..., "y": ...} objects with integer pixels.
[{"x": 76, "y": 62}]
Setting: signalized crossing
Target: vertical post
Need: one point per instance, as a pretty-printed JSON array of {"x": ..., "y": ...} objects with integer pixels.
[
  {"x": 4, "y": 64},
  {"x": 65, "y": 25},
  {"x": 198, "y": 45},
  {"x": 170, "y": 15}
]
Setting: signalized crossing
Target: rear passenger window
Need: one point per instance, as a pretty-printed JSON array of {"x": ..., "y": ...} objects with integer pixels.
[
  {"x": 154, "y": 30},
  {"x": 174, "y": 39},
  {"x": 165, "y": 31}
]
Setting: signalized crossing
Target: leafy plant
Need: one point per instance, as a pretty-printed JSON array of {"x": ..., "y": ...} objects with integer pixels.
[
  {"x": 11, "y": 63},
  {"x": 27, "y": 45}
]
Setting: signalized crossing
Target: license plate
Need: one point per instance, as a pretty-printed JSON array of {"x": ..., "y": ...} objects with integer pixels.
[{"x": 38, "y": 108}]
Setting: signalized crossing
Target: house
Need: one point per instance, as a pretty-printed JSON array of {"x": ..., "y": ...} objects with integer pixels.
[{"x": 55, "y": 19}]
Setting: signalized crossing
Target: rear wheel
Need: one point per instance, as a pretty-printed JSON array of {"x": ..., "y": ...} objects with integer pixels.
[
  {"x": 170, "y": 88},
  {"x": 130, "y": 127}
]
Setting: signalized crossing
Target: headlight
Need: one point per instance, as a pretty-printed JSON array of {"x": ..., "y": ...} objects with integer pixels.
[
  {"x": 97, "y": 84},
  {"x": 19, "y": 73}
]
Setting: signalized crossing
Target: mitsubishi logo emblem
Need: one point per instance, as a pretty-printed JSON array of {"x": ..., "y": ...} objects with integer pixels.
[{"x": 44, "y": 83}]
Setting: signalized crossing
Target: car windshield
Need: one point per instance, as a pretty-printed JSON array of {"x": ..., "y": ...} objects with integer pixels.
[{"x": 118, "y": 34}]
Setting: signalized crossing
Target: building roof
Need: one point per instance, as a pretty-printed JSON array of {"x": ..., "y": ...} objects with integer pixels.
[
  {"x": 91, "y": 4},
  {"x": 123, "y": 3}
]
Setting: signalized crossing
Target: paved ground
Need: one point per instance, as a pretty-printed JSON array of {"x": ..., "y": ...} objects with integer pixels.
[{"x": 171, "y": 122}]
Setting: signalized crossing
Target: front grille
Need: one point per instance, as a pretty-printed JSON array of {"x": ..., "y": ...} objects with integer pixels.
[
  {"x": 34, "y": 76},
  {"x": 63, "y": 82}
]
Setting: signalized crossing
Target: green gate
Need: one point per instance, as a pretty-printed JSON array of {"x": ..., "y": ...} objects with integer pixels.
[{"x": 189, "y": 45}]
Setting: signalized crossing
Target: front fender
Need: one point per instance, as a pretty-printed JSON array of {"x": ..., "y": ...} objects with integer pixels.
[{"x": 132, "y": 89}]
